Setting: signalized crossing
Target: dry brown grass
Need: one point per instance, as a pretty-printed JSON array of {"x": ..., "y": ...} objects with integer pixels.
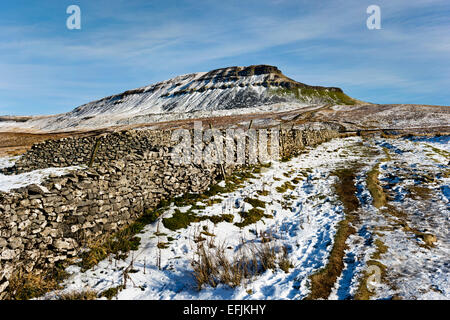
[
  {"x": 16, "y": 143},
  {"x": 376, "y": 191},
  {"x": 420, "y": 192},
  {"x": 12, "y": 143},
  {"x": 25, "y": 286},
  {"x": 78, "y": 295},
  {"x": 213, "y": 266},
  {"x": 284, "y": 262},
  {"x": 373, "y": 183}
]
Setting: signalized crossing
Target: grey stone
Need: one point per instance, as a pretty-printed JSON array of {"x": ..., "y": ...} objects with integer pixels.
[{"x": 7, "y": 254}]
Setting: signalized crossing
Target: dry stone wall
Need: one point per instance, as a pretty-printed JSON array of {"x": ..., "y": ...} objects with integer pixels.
[
  {"x": 75, "y": 151},
  {"x": 41, "y": 225}
]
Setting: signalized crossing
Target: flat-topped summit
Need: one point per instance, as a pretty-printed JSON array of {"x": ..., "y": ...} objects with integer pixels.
[
  {"x": 274, "y": 77},
  {"x": 254, "y": 70}
]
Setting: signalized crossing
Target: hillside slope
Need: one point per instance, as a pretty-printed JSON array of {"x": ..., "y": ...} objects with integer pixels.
[{"x": 231, "y": 90}]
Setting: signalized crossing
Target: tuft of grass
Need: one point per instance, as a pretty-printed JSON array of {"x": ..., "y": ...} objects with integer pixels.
[
  {"x": 251, "y": 216},
  {"x": 180, "y": 220},
  {"x": 266, "y": 254},
  {"x": 211, "y": 202},
  {"x": 284, "y": 187},
  {"x": 111, "y": 292},
  {"x": 211, "y": 266},
  {"x": 119, "y": 243},
  {"x": 285, "y": 263},
  {"x": 420, "y": 192},
  {"x": 26, "y": 286},
  {"x": 93, "y": 257},
  {"x": 78, "y": 295},
  {"x": 220, "y": 218},
  {"x": 162, "y": 245},
  {"x": 256, "y": 203}
]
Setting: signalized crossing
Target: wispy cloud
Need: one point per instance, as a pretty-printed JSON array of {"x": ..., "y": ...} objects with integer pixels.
[{"x": 125, "y": 44}]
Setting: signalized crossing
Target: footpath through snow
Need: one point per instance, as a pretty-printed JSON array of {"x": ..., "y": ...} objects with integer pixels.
[{"x": 302, "y": 212}]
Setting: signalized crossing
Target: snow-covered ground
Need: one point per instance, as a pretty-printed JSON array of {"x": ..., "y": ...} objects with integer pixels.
[
  {"x": 8, "y": 162},
  {"x": 307, "y": 227},
  {"x": 304, "y": 221},
  {"x": 416, "y": 271},
  {"x": 9, "y": 182}
]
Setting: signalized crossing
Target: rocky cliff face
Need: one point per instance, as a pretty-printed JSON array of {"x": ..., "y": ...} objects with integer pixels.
[{"x": 236, "y": 89}]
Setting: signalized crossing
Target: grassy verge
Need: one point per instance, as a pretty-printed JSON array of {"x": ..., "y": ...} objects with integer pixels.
[
  {"x": 119, "y": 243},
  {"x": 376, "y": 191},
  {"x": 373, "y": 183},
  {"x": 323, "y": 281}
]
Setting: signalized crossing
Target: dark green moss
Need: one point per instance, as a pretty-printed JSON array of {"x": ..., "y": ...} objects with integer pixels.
[
  {"x": 284, "y": 187},
  {"x": 263, "y": 192},
  {"x": 251, "y": 216},
  {"x": 111, "y": 292},
  {"x": 180, "y": 220},
  {"x": 225, "y": 217},
  {"x": 255, "y": 202},
  {"x": 304, "y": 94}
]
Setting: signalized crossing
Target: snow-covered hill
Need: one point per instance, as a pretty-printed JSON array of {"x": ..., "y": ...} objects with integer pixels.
[{"x": 226, "y": 91}]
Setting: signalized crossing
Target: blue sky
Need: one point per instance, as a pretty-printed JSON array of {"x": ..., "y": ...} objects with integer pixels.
[{"x": 46, "y": 68}]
